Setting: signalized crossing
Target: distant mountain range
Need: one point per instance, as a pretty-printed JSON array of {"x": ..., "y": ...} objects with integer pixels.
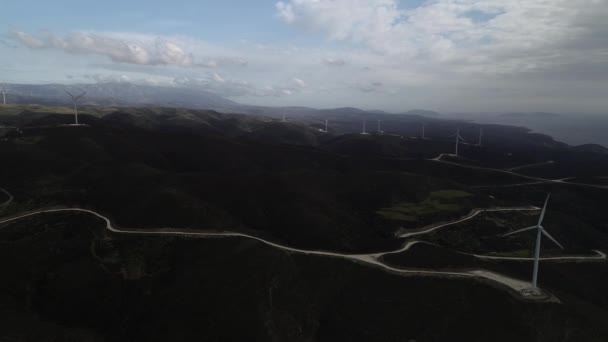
[
  {"x": 119, "y": 94},
  {"x": 537, "y": 115},
  {"x": 422, "y": 112},
  {"x": 343, "y": 120},
  {"x": 134, "y": 95}
]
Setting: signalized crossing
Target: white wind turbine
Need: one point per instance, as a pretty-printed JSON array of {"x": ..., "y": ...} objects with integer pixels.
[
  {"x": 379, "y": 129},
  {"x": 363, "y": 131},
  {"x": 284, "y": 116},
  {"x": 458, "y": 139},
  {"x": 423, "y": 131},
  {"x": 540, "y": 231},
  {"x": 3, "y": 97},
  {"x": 326, "y": 124},
  {"x": 480, "y": 136},
  {"x": 75, "y": 99}
]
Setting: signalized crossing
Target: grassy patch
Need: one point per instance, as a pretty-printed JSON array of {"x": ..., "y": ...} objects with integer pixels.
[
  {"x": 396, "y": 215},
  {"x": 438, "y": 202},
  {"x": 30, "y": 140},
  {"x": 520, "y": 253},
  {"x": 449, "y": 194}
]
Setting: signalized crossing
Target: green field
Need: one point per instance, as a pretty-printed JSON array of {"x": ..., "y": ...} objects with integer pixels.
[
  {"x": 520, "y": 253},
  {"x": 437, "y": 202}
]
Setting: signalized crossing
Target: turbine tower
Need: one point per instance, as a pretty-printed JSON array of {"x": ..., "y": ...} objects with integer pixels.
[
  {"x": 480, "y": 136},
  {"x": 379, "y": 130},
  {"x": 75, "y": 99},
  {"x": 423, "y": 131},
  {"x": 363, "y": 131},
  {"x": 540, "y": 231},
  {"x": 284, "y": 117},
  {"x": 326, "y": 123},
  {"x": 458, "y": 139},
  {"x": 3, "y": 97}
]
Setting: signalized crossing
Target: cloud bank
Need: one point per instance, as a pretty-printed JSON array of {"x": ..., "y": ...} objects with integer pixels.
[
  {"x": 446, "y": 55},
  {"x": 488, "y": 36},
  {"x": 131, "y": 49}
]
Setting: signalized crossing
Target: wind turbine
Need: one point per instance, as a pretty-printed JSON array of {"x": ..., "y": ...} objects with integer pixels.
[
  {"x": 284, "y": 117},
  {"x": 540, "y": 231},
  {"x": 3, "y": 96},
  {"x": 480, "y": 136},
  {"x": 379, "y": 130},
  {"x": 326, "y": 123},
  {"x": 363, "y": 132},
  {"x": 423, "y": 131},
  {"x": 75, "y": 99},
  {"x": 458, "y": 138}
]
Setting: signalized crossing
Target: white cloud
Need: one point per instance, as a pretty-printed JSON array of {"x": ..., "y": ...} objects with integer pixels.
[
  {"x": 215, "y": 83},
  {"x": 299, "y": 83},
  {"x": 372, "y": 22},
  {"x": 285, "y": 11},
  {"x": 334, "y": 61},
  {"x": 169, "y": 53},
  {"x": 106, "y": 78},
  {"x": 121, "y": 78},
  {"x": 29, "y": 40},
  {"x": 127, "y": 48},
  {"x": 91, "y": 43},
  {"x": 487, "y": 36},
  {"x": 218, "y": 78}
]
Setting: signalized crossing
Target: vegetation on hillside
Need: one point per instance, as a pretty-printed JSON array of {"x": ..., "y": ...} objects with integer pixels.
[{"x": 286, "y": 182}]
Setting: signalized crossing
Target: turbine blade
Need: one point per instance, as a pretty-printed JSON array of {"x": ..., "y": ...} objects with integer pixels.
[
  {"x": 520, "y": 230},
  {"x": 460, "y": 137},
  {"x": 79, "y": 96},
  {"x": 552, "y": 239},
  {"x": 67, "y": 92},
  {"x": 542, "y": 214}
]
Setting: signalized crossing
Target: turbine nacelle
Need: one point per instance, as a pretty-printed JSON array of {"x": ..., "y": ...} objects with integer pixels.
[
  {"x": 543, "y": 231},
  {"x": 75, "y": 98}
]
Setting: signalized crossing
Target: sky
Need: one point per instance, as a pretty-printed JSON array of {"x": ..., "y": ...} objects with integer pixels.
[{"x": 394, "y": 55}]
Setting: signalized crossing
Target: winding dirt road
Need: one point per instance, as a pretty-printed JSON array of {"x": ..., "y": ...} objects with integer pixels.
[
  {"x": 599, "y": 256},
  {"x": 368, "y": 259},
  {"x": 527, "y": 166},
  {"x": 537, "y": 180},
  {"x": 470, "y": 216},
  {"x": 372, "y": 259}
]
